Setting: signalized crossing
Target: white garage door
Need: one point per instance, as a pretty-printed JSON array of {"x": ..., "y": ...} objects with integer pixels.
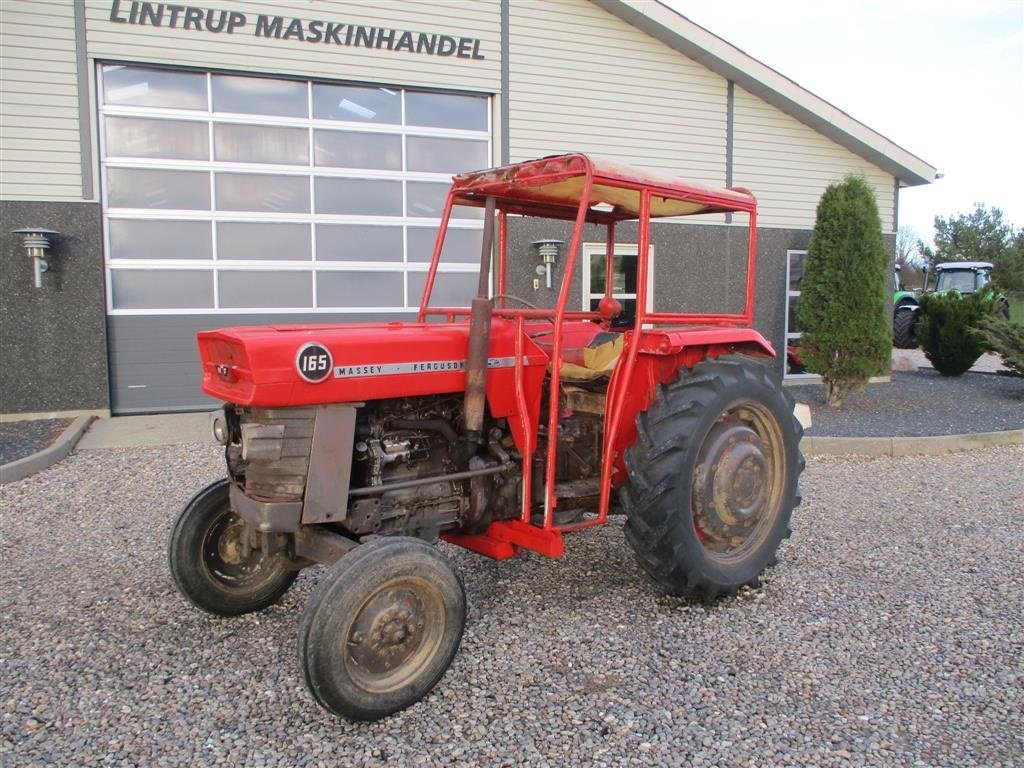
[{"x": 245, "y": 198}]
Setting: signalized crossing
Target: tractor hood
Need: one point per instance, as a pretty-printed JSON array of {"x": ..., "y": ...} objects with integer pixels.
[{"x": 280, "y": 366}]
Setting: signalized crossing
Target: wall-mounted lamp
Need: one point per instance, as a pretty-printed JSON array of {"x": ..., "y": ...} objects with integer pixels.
[
  {"x": 36, "y": 241},
  {"x": 548, "y": 251}
]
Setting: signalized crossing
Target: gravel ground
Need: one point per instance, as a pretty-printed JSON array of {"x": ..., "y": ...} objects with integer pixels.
[
  {"x": 919, "y": 403},
  {"x": 19, "y": 439},
  {"x": 891, "y": 633}
]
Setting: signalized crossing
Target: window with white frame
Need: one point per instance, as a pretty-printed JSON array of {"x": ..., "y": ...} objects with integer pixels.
[
  {"x": 623, "y": 278},
  {"x": 795, "y": 261},
  {"x": 227, "y": 193}
]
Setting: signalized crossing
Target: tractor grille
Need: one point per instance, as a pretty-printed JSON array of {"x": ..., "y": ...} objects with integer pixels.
[{"x": 277, "y": 444}]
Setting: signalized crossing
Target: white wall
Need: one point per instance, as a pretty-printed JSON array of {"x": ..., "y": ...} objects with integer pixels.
[
  {"x": 788, "y": 165},
  {"x": 582, "y": 79},
  {"x": 40, "y": 152}
]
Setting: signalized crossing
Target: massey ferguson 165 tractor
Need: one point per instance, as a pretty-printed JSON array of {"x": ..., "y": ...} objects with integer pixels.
[{"x": 499, "y": 427}]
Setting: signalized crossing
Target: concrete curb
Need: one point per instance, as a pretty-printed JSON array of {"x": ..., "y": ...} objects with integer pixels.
[
  {"x": 61, "y": 447},
  {"x": 907, "y": 446}
]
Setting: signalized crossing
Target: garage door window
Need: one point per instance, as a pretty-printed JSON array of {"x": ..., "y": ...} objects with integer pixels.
[{"x": 228, "y": 193}]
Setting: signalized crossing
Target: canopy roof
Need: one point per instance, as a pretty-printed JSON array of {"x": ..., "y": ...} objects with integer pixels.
[
  {"x": 952, "y": 265},
  {"x": 553, "y": 186}
]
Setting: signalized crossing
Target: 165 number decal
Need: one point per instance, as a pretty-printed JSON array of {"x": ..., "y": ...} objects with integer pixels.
[{"x": 313, "y": 362}]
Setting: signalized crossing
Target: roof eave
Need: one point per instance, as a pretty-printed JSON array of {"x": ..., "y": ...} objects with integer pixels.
[{"x": 724, "y": 59}]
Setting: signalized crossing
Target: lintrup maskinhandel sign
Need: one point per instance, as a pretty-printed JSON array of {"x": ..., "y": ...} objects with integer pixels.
[{"x": 189, "y": 17}]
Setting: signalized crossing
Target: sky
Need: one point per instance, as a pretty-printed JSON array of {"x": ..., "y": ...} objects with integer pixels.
[{"x": 944, "y": 79}]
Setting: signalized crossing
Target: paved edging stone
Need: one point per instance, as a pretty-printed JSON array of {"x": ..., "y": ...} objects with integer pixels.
[
  {"x": 61, "y": 447},
  {"x": 907, "y": 446}
]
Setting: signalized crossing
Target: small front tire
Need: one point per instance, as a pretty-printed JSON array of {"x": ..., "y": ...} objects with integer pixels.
[
  {"x": 212, "y": 567},
  {"x": 381, "y": 628}
]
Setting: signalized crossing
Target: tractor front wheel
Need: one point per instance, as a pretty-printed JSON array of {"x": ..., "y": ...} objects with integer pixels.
[
  {"x": 713, "y": 478},
  {"x": 381, "y": 628},
  {"x": 212, "y": 564}
]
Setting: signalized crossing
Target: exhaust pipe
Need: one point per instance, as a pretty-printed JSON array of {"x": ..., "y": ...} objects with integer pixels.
[{"x": 479, "y": 343}]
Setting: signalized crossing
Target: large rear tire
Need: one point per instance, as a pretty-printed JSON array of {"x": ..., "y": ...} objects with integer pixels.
[
  {"x": 713, "y": 478},
  {"x": 381, "y": 628},
  {"x": 210, "y": 564},
  {"x": 903, "y": 327}
]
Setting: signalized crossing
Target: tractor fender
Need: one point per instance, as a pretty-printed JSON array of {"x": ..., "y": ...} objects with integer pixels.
[
  {"x": 661, "y": 353},
  {"x": 704, "y": 342},
  {"x": 907, "y": 306}
]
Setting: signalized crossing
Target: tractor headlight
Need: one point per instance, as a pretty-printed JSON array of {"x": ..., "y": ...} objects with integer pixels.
[{"x": 221, "y": 433}]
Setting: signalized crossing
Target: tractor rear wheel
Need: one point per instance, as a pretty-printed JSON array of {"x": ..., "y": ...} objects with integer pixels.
[
  {"x": 713, "y": 478},
  {"x": 211, "y": 564},
  {"x": 903, "y": 326},
  {"x": 381, "y": 628}
]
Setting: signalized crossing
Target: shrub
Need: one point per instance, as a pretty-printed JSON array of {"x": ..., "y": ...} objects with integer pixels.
[
  {"x": 1017, "y": 309},
  {"x": 949, "y": 330},
  {"x": 1007, "y": 339},
  {"x": 845, "y": 309}
]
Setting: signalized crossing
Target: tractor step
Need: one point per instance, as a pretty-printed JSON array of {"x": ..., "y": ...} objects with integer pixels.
[{"x": 507, "y": 538}]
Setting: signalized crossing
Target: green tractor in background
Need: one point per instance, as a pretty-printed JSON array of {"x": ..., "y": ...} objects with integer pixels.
[
  {"x": 905, "y": 313},
  {"x": 964, "y": 277}
]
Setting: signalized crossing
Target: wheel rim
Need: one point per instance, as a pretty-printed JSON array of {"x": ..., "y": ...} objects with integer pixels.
[
  {"x": 394, "y": 635},
  {"x": 738, "y": 481},
  {"x": 225, "y": 558}
]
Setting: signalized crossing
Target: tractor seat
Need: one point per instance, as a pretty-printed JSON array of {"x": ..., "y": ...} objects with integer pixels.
[
  {"x": 588, "y": 352},
  {"x": 598, "y": 358}
]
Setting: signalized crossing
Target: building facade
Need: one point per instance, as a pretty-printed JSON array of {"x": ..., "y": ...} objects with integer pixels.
[{"x": 286, "y": 161}]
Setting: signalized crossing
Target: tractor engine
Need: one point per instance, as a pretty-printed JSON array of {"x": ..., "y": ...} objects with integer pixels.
[
  {"x": 409, "y": 439},
  {"x": 396, "y": 443}
]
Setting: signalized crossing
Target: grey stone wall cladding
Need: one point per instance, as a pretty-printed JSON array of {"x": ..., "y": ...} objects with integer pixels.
[
  {"x": 54, "y": 339},
  {"x": 53, "y": 354}
]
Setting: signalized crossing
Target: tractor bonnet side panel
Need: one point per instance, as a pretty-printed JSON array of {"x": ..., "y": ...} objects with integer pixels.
[
  {"x": 282, "y": 366},
  {"x": 295, "y": 365}
]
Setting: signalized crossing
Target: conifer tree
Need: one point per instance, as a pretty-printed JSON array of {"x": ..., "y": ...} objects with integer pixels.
[
  {"x": 1006, "y": 338},
  {"x": 950, "y": 329},
  {"x": 844, "y": 312}
]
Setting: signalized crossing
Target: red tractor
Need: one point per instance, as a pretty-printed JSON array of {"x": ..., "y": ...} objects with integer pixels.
[{"x": 498, "y": 427}]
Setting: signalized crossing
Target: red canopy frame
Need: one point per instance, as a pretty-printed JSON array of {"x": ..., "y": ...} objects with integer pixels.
[{"x": 585, "y": 190}]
